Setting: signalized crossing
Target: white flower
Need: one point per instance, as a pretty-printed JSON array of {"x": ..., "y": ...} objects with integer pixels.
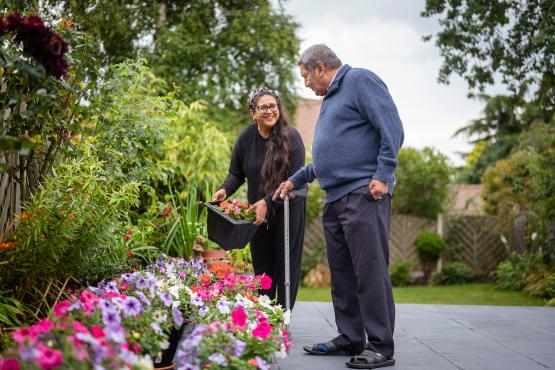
[{"x": 287, "y": 317}]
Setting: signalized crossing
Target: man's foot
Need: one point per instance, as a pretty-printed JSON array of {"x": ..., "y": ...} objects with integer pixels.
[
  {"x": 327, "y": 349},
  {"x": 370, "y": 360}
]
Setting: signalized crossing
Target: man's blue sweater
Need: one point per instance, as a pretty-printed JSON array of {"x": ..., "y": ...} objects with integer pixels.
[{"x": 357, "y": 136}]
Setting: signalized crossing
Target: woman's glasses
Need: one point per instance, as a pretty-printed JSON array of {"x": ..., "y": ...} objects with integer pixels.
[{"x": 266, "y": 108}]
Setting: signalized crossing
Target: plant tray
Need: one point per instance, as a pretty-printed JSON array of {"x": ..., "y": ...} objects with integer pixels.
[{"x": 227, "y": 232}]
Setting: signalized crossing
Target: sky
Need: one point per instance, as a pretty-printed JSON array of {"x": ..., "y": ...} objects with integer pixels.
[{"x": 386, "y": 37}]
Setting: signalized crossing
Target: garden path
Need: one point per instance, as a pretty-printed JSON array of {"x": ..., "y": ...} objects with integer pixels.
[{"x": 442, "y": 337}]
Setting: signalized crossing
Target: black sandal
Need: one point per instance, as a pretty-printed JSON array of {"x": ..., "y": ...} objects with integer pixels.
[
  {"x": 326, "y": 349},
  {"x": 369, "y": 360}
]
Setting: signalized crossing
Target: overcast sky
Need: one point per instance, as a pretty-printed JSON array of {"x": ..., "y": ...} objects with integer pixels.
[{"x": 386, "y": 37}]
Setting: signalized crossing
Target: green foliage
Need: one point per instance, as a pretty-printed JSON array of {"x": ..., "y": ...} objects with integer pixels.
[
  {"x": 511, "y": 273},
  {"x": 188, "y": 223},
  {"x": 422, "y": 186},
  {"x": 73, "y": 227},
  {"x": 454, "y": 273},
  {"x": 510, "y": 39},
  {"x": 314, "y": 202},
  {"x": 400, "y": 271},
  {"x": 311, "y": 258},
  {"x": 429, "y": 246},
  {"x": 524, "y": 183},
  {"x": 218, "y": 51},
  {"x": 11, "y": 311}
]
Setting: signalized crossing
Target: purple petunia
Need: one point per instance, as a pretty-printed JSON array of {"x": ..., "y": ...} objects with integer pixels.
[
  {"x": 142, "y": 297},
  {"x": 166, "y": 299},
  {"x": 218, "y": 358},
  {"x": 203, "y": 311},
  {"x": 111, "y": 318},
  {"x": 132, "y": 306},
  {"x": 177, "y": 316},
  {"x": 239, "y": 347}
]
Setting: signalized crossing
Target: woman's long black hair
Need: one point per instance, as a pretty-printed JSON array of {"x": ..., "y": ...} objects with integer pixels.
[{"x": 276, "y": 164}]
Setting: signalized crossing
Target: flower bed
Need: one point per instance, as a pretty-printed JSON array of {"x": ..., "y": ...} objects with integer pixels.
[{"x": 125, "y": 323}]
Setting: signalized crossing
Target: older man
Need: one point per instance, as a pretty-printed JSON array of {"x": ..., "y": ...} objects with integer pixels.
[{"x": 355, "y": 146}]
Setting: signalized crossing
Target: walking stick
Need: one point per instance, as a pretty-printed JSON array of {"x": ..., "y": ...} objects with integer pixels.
[{"x": 287, "y": 283}]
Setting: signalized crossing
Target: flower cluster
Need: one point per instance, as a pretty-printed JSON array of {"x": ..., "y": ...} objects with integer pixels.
[
  {"x": 38, "y": 40},
  {"x": 237, "y": 210},
  {"x": 125, "y": 323}
]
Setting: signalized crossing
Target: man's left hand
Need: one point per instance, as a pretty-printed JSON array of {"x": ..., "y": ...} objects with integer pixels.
[
  {"x": 377, "y": 188},
  {"x": 261, "y": 209}
]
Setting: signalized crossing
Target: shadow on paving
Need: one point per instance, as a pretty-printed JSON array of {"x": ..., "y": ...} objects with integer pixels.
[{"x": 442, "y": 337}]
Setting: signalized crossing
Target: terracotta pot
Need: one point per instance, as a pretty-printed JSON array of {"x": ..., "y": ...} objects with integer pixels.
[{"x": 213, "y": 255}]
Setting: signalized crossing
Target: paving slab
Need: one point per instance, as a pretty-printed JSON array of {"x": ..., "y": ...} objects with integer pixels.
[{"x": 442, "y": 337}]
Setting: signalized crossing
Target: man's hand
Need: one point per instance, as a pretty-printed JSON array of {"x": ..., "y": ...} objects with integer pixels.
[
  {"x": 283, "y": 188},
  {"x": 377, "y": 188},
  {"x": 261, "y": 209},
  {"x": 219, "y": 196}
]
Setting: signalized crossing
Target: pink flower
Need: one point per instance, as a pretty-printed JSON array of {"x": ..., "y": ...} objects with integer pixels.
[
  {"x": 79, "y": 328},
  {"x": 20, "y": 335},
  {"x": 9, "y": 364},
  {"x": 49, "y": 358},
  {"x": 262, "y": 331},
  {"x": 239, "y": 317},
  {"x": 61, "y": 308},
  {"x": 266, "y": 282},
  {"x": 97, "y": 331},
  {"x": 43, "y": 326}
]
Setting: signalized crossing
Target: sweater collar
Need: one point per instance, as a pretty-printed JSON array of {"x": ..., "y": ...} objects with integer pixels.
[{"x": 334, "y": 85}]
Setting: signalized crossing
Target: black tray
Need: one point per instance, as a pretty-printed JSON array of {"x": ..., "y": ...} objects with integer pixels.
[{"x": 227, "y": 232}]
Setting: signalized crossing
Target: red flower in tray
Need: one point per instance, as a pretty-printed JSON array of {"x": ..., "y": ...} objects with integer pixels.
[{"x": 237, "y": 210}]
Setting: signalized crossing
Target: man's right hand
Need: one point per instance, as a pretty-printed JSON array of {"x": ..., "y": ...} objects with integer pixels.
[
  {"x": 283, "y": 188},
  {"x": 219, "y": 196}
]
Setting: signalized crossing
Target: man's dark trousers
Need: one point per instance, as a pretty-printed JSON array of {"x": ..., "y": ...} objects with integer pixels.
[{"x": 356, "y": 228}]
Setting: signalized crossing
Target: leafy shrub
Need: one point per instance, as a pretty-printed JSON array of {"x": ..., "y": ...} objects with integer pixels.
[
  {"x": 400, "y": 272},
  {"x": 511, "y": 273},
  {"x": 429, "y": 246},
  {"x": 455, "y": 273}
]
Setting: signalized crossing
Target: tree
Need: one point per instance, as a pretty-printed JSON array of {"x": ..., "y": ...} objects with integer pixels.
[
  {"x": 523, "y": 184},
  {"x": 510, "y": 39},
  {"x": 422, "y": 186},
  {"x": 216, "y": 50}
]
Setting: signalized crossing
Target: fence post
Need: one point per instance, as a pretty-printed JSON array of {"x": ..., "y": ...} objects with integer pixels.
[{"x": 440, "y": 233}]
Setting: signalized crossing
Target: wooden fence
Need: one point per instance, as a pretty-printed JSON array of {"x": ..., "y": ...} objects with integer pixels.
[{"x": 474, "y": 240}]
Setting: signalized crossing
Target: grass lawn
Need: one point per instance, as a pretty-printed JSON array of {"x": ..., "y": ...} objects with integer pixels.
[{"x": 470, "y": 294}]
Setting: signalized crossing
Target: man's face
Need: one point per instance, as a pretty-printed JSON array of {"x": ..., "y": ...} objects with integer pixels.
[{"x": 315, "y": 80}]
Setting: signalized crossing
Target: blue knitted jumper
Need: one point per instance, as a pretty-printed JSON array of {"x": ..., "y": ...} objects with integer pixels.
[{"x": 357, "y": 136}]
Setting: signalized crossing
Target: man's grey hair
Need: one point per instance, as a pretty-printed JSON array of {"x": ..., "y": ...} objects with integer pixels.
[{"x": 319, "y": 52}]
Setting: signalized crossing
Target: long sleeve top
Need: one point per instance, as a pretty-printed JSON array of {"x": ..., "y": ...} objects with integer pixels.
[
  {"x": 357, "y": 136},
  {"x": 247, "y": 160}
]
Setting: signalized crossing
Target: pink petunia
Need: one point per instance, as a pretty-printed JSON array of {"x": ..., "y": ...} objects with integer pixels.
[
  {"x": 266, "y": 282},
  {"x": 239, "y": 317},
  {"x": 262, "y": 331},
  {"x": 20, "y": 335},
  {"x": 9, "y": 364},
  {"x": 61, "y": 308},
  {"x": 49, "y": 358}
]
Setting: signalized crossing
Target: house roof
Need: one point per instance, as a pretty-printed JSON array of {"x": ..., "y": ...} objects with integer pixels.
[{"x": 466, "y": 199}]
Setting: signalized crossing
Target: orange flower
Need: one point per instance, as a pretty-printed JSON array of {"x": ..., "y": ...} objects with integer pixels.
[
  {"x": 8, "y": 245},
  {"x": 253, "y": 362},
  {"x": 71, "y": 215},
  {"x": 24, "y": 215}
]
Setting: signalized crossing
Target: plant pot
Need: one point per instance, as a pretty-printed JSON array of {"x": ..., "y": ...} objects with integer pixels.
[
  {"x": 167, "y": 367},
  {"x": 166, "y": 362},
  {"x": 227, "y": 232},
  {"x": 214, "y": 255}
]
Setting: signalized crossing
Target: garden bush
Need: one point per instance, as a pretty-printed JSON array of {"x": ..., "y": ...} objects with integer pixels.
[
  {"x": 429, "y": 246},
  {"x": 454, "y": 273},
  {"x": 400, "y": 272},
  {"x": 510, "y": 274}
]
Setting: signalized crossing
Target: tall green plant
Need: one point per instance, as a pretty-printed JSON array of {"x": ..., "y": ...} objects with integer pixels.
[{"x": 188, "y": 223}]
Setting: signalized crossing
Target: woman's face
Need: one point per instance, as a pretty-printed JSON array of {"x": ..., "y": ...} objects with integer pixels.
[{"x": 266, "y": 113}]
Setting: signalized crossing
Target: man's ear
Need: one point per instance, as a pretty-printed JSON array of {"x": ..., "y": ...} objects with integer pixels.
[{"x": 319, "y": 67}]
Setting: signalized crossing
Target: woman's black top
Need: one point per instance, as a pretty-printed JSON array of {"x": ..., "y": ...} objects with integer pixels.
[{"x": 248, "y": 157}]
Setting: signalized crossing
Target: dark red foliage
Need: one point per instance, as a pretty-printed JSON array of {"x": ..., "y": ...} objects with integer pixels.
[{"x": 38, "y": 40}]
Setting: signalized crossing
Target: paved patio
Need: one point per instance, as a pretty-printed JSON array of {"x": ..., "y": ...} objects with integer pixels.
[{"x": 442, "y": 337}]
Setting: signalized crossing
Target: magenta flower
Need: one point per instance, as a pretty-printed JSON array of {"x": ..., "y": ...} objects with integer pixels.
[
  {"x": 239, "y": 317},
  {"x": 49, "y": 358},
  {"x": 61, "y": 308},
  {"x": 262, "y": 331},
  {"x": 266, "y": 282},
  {"x": 9, "y": 364}
]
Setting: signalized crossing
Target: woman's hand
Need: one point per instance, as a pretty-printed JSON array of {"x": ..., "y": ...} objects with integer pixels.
[
  {"x": 261, "y": 209},
  {"x": 219, "y": 196}
]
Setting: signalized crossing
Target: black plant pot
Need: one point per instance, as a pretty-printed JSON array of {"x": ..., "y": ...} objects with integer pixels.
[
  {"x": 169, "y": 353},
  {"x": 225, "y": 231}
]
